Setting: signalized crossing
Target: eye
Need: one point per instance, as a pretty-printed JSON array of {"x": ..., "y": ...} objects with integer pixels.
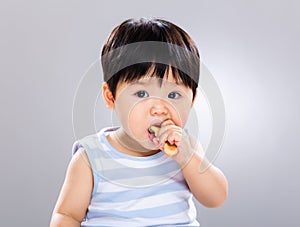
[
  {"x": 142, "y": 94},
  {"x": 174, "y": 95}
]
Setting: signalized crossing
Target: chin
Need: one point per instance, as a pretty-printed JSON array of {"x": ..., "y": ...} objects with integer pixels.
[{"x": 149, "y": 146}]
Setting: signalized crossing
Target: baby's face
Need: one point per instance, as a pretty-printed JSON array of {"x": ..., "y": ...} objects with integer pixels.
[{"x": 147, "y": 102}]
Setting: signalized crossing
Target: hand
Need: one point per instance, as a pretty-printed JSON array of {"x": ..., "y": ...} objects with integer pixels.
[
  {"x": 168, "y": 133},
  {"x": 174, "y": 135}
]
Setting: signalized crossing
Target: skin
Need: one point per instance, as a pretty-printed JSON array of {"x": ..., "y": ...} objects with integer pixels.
[
  {"x": 138, "y": 106},
  {"x": 145, "y": 103}
]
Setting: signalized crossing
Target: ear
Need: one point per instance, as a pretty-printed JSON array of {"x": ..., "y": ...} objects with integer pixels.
[
  {"x": 108, "y": 96},
  {"x": 195, "y": 96}
]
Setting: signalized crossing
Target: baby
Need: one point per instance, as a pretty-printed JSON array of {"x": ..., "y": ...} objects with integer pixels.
[{"x": 146, "y": 171}]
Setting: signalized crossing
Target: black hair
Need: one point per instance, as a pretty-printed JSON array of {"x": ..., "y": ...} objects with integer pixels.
[{"x": 143, "y": 30}]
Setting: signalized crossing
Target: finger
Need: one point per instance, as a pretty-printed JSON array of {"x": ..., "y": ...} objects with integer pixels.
[
  {"x": 169, "y": 129},
  {"x": 155, "y": 141},
  {"x": 173, "y": 137},
  {"x": 167, "y": 122}
]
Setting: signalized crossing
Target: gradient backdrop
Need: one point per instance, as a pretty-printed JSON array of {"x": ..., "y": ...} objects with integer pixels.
[{"x": 251, "y": 48}]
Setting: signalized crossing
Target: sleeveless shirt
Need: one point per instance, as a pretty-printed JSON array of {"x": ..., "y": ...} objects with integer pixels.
[{"x": 135, "y": 191}]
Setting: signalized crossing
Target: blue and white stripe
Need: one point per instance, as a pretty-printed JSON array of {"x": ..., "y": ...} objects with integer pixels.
[{"x": 135, "y": 191}]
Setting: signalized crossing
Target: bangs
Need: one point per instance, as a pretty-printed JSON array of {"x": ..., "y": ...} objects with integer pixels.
[
  {"x": 147, "y": 70},
  {"x": 139, "y": 71}
]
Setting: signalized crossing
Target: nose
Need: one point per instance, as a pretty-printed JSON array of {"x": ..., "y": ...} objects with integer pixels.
[{"x": 159, "y": 107}]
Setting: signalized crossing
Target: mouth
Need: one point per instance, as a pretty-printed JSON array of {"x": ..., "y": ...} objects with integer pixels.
[
  {"x": 150, "y": 135},
  {"x": 153, "y": 131}
]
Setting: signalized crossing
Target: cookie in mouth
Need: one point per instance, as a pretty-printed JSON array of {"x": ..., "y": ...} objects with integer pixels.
[
  {"x": 153, "y": 131},
  {"x": 169, "y": 149}
]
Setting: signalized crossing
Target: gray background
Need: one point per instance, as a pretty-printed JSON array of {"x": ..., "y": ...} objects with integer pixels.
[{"x": 252, "y": 49}]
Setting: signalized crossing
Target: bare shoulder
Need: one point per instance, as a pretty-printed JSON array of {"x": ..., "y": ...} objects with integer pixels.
[
  {"x": 79, "y": 170},
  {"x": 80, "y": 158}
]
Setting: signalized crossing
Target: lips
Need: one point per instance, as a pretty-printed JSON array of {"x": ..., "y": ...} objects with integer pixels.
[
  {"x": 157, "y": 124},
  {"x": 151, "y": 136},
  {"x": 152, "y": 133}
]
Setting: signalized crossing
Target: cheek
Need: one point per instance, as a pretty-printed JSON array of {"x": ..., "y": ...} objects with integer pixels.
[
  {"x": 122, "y": 112},
  {"x": 136, "y": 120},
  {"x": 181, "y": 114}
]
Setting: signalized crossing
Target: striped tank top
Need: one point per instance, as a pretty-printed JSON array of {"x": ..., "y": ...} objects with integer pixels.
[{"x": 135, "y": 191}]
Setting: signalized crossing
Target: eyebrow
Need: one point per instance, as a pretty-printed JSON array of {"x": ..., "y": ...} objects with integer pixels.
[
  {"x": 140, "y": 82},
  {"x": 145, "y": 83}
]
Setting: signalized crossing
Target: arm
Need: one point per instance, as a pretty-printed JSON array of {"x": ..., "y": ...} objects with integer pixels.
[
  {"x": 75, "y": 194},
  {"x": 207, "y": 183},
  {"x": 210, "y": 186}
]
